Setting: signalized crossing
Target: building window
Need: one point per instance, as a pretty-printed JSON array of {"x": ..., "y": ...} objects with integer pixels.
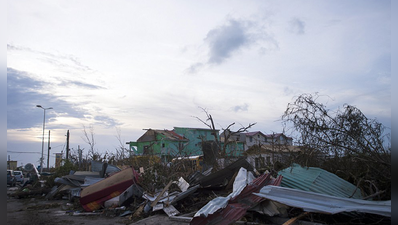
[
  {"x": 259, "y": 162},
  {"x": 146, "y": 150},
  {"x": 250, "y": 139},
  {"x": 163, "y": 145}
]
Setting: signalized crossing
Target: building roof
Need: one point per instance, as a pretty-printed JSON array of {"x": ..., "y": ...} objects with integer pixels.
[
  {"x": 150, "y": 135},
  {"x": 269, "y": 148},
  {"x": 253, "y": 133},
  {"x": 192, "y": 128},
  {"x": 276, "y": 135}
]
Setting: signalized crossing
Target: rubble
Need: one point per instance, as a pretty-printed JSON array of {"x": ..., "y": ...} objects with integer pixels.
[
  {"x": 232, "y": 195},
  {"x": 321, "y": 203},
  {"x": 227, "y": 210},
  {"x": 93, "y": 196}
]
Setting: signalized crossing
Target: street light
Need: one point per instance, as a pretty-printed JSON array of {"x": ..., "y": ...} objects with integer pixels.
[{"x": 42, "y": 142}]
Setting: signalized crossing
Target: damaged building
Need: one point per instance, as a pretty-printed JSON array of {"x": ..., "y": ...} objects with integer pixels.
[{"x": 237, "y": 191}]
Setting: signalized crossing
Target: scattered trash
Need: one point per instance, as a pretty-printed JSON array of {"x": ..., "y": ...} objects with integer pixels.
[
  {"x": 92, "y": 197},
  {"x": 226, "y": 210},
  {"x": 235, "y": 194}
]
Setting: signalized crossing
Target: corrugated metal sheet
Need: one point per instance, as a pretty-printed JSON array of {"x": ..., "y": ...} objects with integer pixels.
[
  {"x": 319, "y": 181},
  {"x": 322, "y": 203},
  {"x": 222, "y": 177},
  {"x": 185, "y": 194},
  {"x": 227, "y": 210},
  {"x": 242, "y": 179},
  {"x": 97, "y": 166}
]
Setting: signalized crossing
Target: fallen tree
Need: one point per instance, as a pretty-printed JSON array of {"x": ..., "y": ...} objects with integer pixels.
[{"x": 344, "y": 142}]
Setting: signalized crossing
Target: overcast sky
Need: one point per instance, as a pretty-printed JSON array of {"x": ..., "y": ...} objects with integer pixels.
[{"x": 124, "y": 66}]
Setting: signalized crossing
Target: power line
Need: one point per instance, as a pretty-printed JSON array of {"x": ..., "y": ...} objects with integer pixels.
[
  {"x": 24, "y": 152},
  {"x": 29, "y": 153}
]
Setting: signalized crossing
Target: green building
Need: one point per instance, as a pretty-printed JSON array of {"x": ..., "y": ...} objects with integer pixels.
[
  {"x": 196, "y": 137},
  {"x": 181, "y": 141},
  {"x": 162, "y": 143}
]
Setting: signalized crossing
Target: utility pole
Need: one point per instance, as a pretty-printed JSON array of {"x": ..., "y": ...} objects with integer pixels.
[
  {"x": 48, "y": 154},
  {"x": 42, "y": 142},
  {"x": 80, "y": 151},
  {"x": 67, "y": 145}
]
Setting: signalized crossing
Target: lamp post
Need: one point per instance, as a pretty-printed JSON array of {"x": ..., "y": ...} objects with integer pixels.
[{"x": 42, "y": 141}]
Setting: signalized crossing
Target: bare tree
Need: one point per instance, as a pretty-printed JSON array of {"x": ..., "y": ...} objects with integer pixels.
[
  {"x": 89, "y": 139},
  {"x": 228, "y": 134},
  {"x": 210, "y": 125},
  {"x": 209, "y": 122},
  {"x": 345, "y": 141},
  {"x": 122, "y": 151}
]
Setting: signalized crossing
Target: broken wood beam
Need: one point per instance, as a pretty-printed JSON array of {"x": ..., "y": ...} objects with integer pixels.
[
  {"x": 161, "y": 194},
  {"x": 184, "y": 219},
  {"x": 294, "y": 219}
]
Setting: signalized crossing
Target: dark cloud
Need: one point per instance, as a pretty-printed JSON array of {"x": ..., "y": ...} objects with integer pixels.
[
  {"x": 225, "y": 40},
  {"x": 235, "y": 35},
  {"x": 22, "y": 97},
  {"x": 107, "y": 121},
  {"x": 297, "y": 26}
]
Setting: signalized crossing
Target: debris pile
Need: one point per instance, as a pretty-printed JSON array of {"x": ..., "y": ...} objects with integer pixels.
[{"x": 232, "y": 195}]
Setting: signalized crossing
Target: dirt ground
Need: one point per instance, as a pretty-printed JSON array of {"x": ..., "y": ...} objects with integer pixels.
[{"x": 32, "y": 211}]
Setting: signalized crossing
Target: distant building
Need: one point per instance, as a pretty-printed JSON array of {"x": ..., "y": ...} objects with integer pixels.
[
  {"x": 180, "y": 141},
  {"x": 58, "y": 159},
  {"x": 12, "y": 165},
  {"x": 185, "y": 141},
  {"x": 256, "y": 138},
  {"x": 267, "y": 155},
  {"x": 162, "y": 143},
  {"x": 197, "y": 137},
  {"x": 279, "y": 139}
]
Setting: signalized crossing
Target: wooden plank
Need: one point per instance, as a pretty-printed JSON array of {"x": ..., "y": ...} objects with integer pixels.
[
  {"x": 294, "y": 219},
  {"x": 181, "y": 219},
  {"x": 161, "y": 194}
]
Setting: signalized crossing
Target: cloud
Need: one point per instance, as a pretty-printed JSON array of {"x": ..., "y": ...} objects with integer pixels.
[
  {"x": 225, "y": 40},
  {"x": 297, "y": 26},
  {"x": 61, "y": 61},
  {"x": 80, "y": 84},
  {"x": 107, "y": 121},
  {"x": 23, "y": 94},
  {"x": 287, "y": 91},
  {"x": 234, "y": 36},
  {"x": 238, "y": 108},
  {"x": 195, "y": 67}
]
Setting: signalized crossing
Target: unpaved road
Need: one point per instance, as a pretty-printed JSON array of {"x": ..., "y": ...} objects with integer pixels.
[{"x": 32, "y": 211}]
